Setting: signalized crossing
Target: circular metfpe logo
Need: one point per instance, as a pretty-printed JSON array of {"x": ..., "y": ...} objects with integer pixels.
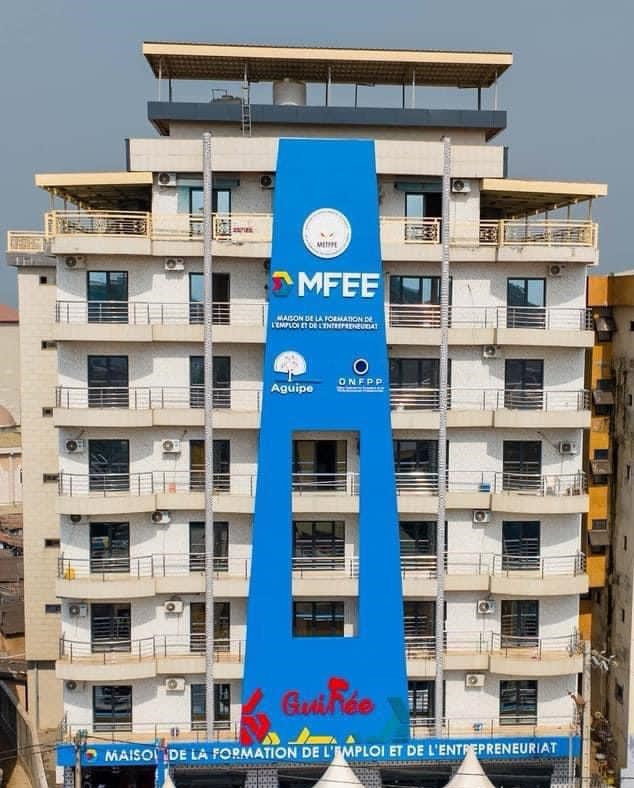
[
  {"x": 360, "y": 366},
  {"x": 326, "y": 232}
]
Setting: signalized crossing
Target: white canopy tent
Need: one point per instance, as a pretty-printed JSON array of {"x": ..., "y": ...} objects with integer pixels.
[
  {"x": 339, "y": 774},
  {"x": 470, "y": 774}
]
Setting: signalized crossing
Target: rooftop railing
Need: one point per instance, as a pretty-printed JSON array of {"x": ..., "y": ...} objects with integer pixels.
[{"x": 243, "y": 228}]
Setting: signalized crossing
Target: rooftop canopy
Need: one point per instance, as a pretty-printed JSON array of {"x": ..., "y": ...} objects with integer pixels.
[
  {"x": 316, "y": 64},
  {"x": 105, "y": 191},
  {"x": 508, "y": 198}
]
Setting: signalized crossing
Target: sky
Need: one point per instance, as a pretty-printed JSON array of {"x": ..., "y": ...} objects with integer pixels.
[{"x": 73, "y": 83}]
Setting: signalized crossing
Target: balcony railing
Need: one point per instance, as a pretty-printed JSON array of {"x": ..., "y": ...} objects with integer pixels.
[
  {"x": 535, "y": 567},
  {"x": 414, "y": 482},
  {"x": 494, "y": 643},
  {"x": 151, "y": 647},
  {"x": 545, "y": 318},
  {"x": 490, "y": 399},
  {"x": 142, "y": 313},
  {"x": 26, "y": 241},
  {"x": 157, "y": 397}
]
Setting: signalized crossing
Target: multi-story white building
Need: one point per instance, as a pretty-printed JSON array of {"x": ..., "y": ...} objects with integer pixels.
[{"x": 111, "y": 305}]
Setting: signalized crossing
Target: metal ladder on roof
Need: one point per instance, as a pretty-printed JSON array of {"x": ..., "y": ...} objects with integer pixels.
[{"x": 246, "y": 111}]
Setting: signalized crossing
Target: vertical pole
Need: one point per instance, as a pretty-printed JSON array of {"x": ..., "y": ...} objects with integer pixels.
[
  {"x": 479, "y": 98},
  {"x": 328, "y": 87},
  {"x": 413, "y": 101},
  {"x": 586, "y": 718},
  {"x": 160, "y": 77},
  {"x": 209, "y": 438},
  {"x": 442, "y": 442}
]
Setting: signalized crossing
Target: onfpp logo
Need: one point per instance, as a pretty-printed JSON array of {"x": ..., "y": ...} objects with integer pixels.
[
  {"x": 282, "y": 283},
  {"x": 326, "y": 233}
]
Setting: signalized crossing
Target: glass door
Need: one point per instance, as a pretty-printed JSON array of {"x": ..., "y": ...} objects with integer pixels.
[{"x": 107, "y": 296}]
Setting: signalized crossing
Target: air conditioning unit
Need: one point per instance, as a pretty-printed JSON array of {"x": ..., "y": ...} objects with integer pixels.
[
  {"x": 173, "y": 606},
  {"x": 481, "y": 516},
  {"x": 161, "y": 517},
  {"x": 72, "y": 685},
  {"x": 174, "y": 264},
  {"x": 171, "y": 446},
  {"x": 267, "y": 181},
  {"x": 556, "y": 269},
  {"x": 474, "y": 680},
  {"x": 459, "y": 186},
  {"x": 78, "y": 610},
  {"x": 490, "y": 351},
  {"x": 75, "y": 446},
  {"x": 175, "y": 684},
  {"x": 74, "y": 262},
  {"x": 486, "y": 607},
  {"x": 568, "y": 447},
  {"x": 167, "y": 179}
]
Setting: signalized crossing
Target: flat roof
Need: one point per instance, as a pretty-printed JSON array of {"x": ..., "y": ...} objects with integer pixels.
[
  {"x": 265, "y": 63},
  {"x": 100, "y": 190},
  {"x": 514, "y": 197}
]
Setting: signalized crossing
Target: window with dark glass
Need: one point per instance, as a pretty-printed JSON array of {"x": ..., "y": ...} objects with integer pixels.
[
  {"x": 419, "y": 617},
  {"x": 518, "y": 702},
  {"x": 110, "y": 626},
  {"x": 319, "y": 465},
  {"x": 525, "y": 303},
  {"x": 221, "y": 465},
  {"x": 222, "y": 704},
  {"x": 222, "y": 624},
  {"x": 221, "y": 381},
  {"x": 415, "y": 301},
  {"x": 418, "y": 542},
  {"x": 221, "y": 310},
  {"x": 522, "y": 465},
  {"x": 109, "y": 465},
  {"x": 519, "y": 623},
  {"x": 112, "y": 708},
  {"x": 110, "y": 547},
  {"x": 416, "y": 464},
  {"x": 197, "y": 546},
  {"x": 318, "y": 544},
  {"x": 524, "y": 383},
  {"x": 520, "y": 545},
  {"x": 420, "y": 697},
  {"x": 108, "y": 382},
  {"x": 414, "y": 383},
  {"x": 107, "y": 296},
  {"x": 317, "y": 619}
]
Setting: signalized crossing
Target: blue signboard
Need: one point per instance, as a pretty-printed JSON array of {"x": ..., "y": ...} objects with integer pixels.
[
  {"x": 234, "y": 754},
  {"x": 325, "y": 371}
]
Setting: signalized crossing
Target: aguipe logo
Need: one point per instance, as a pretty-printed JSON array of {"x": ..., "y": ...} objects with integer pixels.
[{"x": 291, "y": 364}]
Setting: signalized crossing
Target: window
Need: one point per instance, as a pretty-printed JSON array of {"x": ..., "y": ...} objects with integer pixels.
[
  {"x": 420, "y": 697},
  {"x": 518, "y": 702},
  {"x": 625, "y": 543},
  {"x": 317, "y": 619},
  {"x": 618, "y": 692},
  {"x": 197, "y": 546},
  {"x": 51, "y": 543},
  {"x": 418, "y": 206},
  {"x": 408, "y": 376},
  {"x": 525, "y": 301},
  {"x": 319, "y": 465},
  {"x": 419, "y": 618},
  {"x": 622, "y": 616},
  {"x": 520, "y": 545},
  {"x": 415, "y": 301},
  {"x": 318, "y": 545},
  {"x": 524, "y": 383},
  {"x": 520, "y": 623},
  {"x": 222, "y": 705},
  {"x": 107, "y": 296},
  {"x": 599, "y": 525},
  {"x": 222, "y": 626},
  {"x": 52, "y": 609},
  {"x": 221, "y": 311},
  {"x": 522, "y": 466},
  {"x": 416, "y": 464},
  {"x": 418, "y": 543},
  {"x": 221, "y": 396},
  {"x": 220, "y": 200},
  {"x": 110, "y": 547},
  {"x": 109, "y": 465},
  {"x": 631, "y": 325},
  {"x": 108, "y": 382},
  {"x": 112, "y": 708},
  {"x": 221, "y": 465},
  {"x": 48, "y": 344},
  {"x": 110, "y": 627}
]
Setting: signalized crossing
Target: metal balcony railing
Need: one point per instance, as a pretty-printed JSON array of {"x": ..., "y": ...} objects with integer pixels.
[
  {"x": 141, "y": 313},
  {"x": 495, "y": 643},
  {"x": 490, "y": 399},
  {"x": 545, "y": 318},
  {"x": 105, "y": 652},
  {"x": 412, "y": 482},
  {"x": 157, "y": 397},
  {"x": 535, "y": 567},
  {"x": 308, "y": 482}
]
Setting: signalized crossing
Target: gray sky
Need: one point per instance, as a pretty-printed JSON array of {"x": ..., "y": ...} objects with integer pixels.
[{"x": 73, "y": 84}]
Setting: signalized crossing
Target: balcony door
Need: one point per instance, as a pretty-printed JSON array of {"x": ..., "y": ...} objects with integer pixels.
[
  {"x": 318, "y": 545},
  {"x": 221, "y": 465},
  {"x": 110, "y": 627},
  {"x": 520, "y": 545},
  {"x": 416, "y": 465},
  {"x": 519, "y": 623},
  {"x": 522, "y": 466},
  {"x": 415, "y": 301},
  {"x": 419, "y": 618},
  {"x": 221, "y": 311},
  {"x": 319, "y": 465},
  {"x": 112, "y": 707},
  {"x": 221, "y": 396},
  {"x": 110, "y": 547},
  {"x": 107, "y": 296},
  {"x": 420, "y": 696},
  {"x": 197, "y": 546},
  {"x": 524, "y": 383},
  {"x": 222, "y": 622},
  {"x": 109, "y": 465},
  {"x": 518, "y": 702},
  {"x": 418, "y": 544},
  {"x": 526, "y": 302},
  {"x": 108, "y": 382},
  {"x": 414, "y": 383}
]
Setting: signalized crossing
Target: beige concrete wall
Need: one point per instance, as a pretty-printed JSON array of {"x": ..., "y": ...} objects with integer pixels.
[
  {"x": 39, "y": 454},
  {"x": 10, "y": 355}
]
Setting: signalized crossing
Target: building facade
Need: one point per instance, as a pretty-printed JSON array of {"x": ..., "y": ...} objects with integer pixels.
[{"x": 324, "y": 553}]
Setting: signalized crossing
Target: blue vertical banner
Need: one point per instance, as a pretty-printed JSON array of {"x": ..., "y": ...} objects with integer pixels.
[{"x": 325, "y": 370}]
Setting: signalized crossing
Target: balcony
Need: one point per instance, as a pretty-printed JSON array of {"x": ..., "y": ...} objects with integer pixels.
[
  {"x": 147, "y": 657},
  {"x": 500, "y": 654},
  {"x": 155, "y": 406},
  {"x": 183, "y": 573}
]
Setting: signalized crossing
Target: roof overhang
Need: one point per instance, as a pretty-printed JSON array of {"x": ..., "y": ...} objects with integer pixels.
[
  {"x": 100, "y": 190},
  {"x": 511, "y": 197},
  {"x": 316, "y": 64}
]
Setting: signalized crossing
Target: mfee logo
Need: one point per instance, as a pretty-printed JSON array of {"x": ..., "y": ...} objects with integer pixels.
[
  {"x": 292, "y": 364},
  {"x": 281, "y": 283},
  {"x": 326, "y": 233}
]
